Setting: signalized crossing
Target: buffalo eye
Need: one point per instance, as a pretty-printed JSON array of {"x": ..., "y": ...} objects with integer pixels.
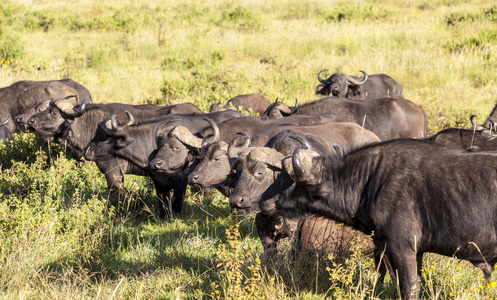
[
  {"x": 216, "y": 159},
  {"x": 259, "y": 173}
]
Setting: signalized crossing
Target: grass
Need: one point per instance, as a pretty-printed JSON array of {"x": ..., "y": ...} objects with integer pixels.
[{"x": 59, "y": 238}]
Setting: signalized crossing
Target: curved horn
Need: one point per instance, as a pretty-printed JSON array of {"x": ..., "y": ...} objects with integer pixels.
[
  {"x": 215, "y": 130},
  {"x": 206, "y": 140},
  {"x": 6, "y": 121},
  {"x": 301, "y": 140},
  {"x": 113, "y": 122},
  {"x": 186, "y": 137},
  {"x": 320, "y": 76},
  {"x": 357, "y": 82},
  {"x": 296, "y": 104},
  {"x": 130, "y": 118},
  {"x": 233, "y": 150},
  {"x": 164, "y": 123},
  {"x": 81, "y": 108},
  {"x": 276, "y": 101},
  {"x": 298, "y": 169}
]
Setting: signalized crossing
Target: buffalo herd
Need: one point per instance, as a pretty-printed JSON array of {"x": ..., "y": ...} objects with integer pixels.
[{"x": 354, "y": 165}]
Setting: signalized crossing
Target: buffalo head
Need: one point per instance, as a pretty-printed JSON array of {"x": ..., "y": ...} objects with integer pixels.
[
  {"x": 50, "y": 122},
  {"x": 279, "y": 109},
  {"x": 177, "y": 147},
  {"x": 338, "y": 84}
]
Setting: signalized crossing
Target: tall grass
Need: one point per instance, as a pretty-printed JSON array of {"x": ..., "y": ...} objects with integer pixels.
[{"x": 59, "y": 238}]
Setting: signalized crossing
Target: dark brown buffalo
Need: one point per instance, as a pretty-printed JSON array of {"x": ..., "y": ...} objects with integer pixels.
[
  {"x": 22, "y": 95},
  {"x": 416, "y": 196},
  {"x": 388, "y": 118},
  {"x": 255, "y": 102},
  {"x": 257, "y": 168},
  {"x": 366, "y": 88},
  {"x": 136, "y": 144},
  {"x": 213, "y": 166},
  {"x": 76, "y": 125},
  {"x": 478, "y": 138}
]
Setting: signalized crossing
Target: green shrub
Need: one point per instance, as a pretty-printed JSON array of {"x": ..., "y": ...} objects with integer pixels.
[
  {"x": 484, "y": 37},
  {"x": 11, "y": 45}
]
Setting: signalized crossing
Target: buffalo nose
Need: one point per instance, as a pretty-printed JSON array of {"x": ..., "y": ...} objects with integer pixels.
[
  {"x": 237, "y": 201},
  {"x": 193, "y": 178},
  {"x": 19, "y": 118},
  {"x": 31, "y": 121},
  {"x": 156, "y": 163}
]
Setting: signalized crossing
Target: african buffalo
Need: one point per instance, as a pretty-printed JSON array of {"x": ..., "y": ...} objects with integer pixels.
[
  {"x": 255, "y": 102},
  {"x": 75, "y": 125},
  {"x": 135, "y": 143},
  {"x": 258, "y": 167},
  {"x": 355, "y": 88},
  {"x": 388, "y": 118},
  {"x": 22, "y": 95},
  {"x": 415, "y": 195},
  {"x": 478, "y": 138}
]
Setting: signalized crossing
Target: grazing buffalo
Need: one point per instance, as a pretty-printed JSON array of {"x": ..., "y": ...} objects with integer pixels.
[
  {"x": 255, "y": 102},
  {"x": 355, "y": 88},
  {"x": 22, "y": 95},
  {"x": 416, "y": 196},
  {"x": 5, "y": 134},
  {"x": 388, "y": 118}
]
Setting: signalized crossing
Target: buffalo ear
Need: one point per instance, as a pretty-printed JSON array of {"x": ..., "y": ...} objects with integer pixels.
[
  {"x": 123, "y": 141},
  {"x": 320, "y": 89}
]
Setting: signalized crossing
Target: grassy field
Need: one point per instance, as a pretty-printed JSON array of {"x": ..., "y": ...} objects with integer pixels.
[{"x": 60, "y": 240}]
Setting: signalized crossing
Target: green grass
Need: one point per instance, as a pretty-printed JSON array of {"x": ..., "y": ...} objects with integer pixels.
[{"x": 59, "y": 238}]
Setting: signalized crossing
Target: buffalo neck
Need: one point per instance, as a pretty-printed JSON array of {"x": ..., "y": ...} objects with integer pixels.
[{"x": 138, "y": 152}]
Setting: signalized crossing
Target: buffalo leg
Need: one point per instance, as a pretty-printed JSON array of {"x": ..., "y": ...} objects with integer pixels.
[
  {"x": 405, "y": 267},
  {"x": 179, "y": 184}
]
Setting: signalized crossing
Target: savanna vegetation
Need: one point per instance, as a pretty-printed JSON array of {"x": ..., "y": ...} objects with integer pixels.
[{"x": 59, "y": 238}]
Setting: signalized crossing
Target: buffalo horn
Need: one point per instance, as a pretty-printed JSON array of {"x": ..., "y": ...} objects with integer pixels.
[
  {"x": 320, "y": 76},
  {"x": 6, "y": 121},
  {"x": 233, "y": 150},
  {"x": 276, "y": 101},
  {"x": 285, "y": 109},
  {"x": 267, "y": 155},
  {"x": 130, "y": 118},
  {"x": 207, "y": 140},
  {"x": 113, "y": 122},
  {"x": 357, "y": 82},
  {"x": 301, "y": 140},
  {"x": 186, "y": 137},
  {"x": 81, "y": 108},
  {"x": 298, "y": 169},
  {"x": 215, "y": 129},
  {"x": 163, "y": 123}
]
